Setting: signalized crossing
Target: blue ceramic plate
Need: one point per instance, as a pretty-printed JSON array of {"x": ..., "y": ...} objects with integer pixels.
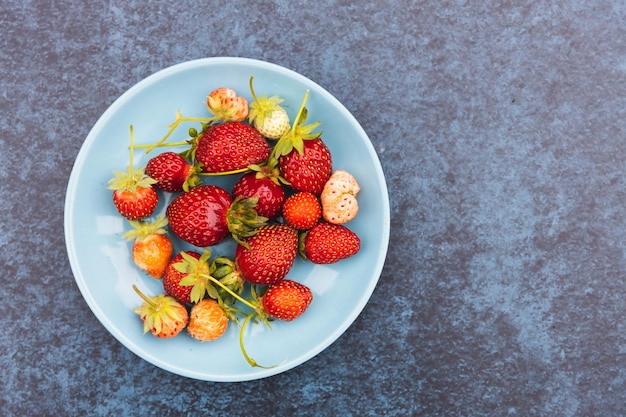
[{"x": 100, "y": 258}]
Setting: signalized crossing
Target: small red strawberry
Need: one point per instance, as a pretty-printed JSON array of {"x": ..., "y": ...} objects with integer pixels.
[
  {"x": 172, "y": 172},
  {"x": 326, "y": 243},
  {"x": 162, "y": 315},
  {"x": 226, "y": 105},
  {"x": 207, "y": 320},
  {"x": 302, "y": 210},
  {"x": 286, "y": 300},
  {"x": 266, "y": 114},
  {"x": 206, "y": 214},
  {"x": 133, "y": 194},
  {"x": 231, "y": 146},
  {"x": 309, "y": 169},
  {"x": 304, "y": 159},
  {"x": 270, "y": 254},
  {"x": 138, "y": 203},
  {"x": 185, "y": 277},
  {"x": 264, "y": 183},
  {"x": 151, "y": 249}
]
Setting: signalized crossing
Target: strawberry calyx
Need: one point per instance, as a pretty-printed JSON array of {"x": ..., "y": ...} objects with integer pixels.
[
  {"x": 193, "y": 178},
  {"x": 225, "y": 270},
  {"x": 263, "y": 106},
  {"x": 299, "y": 132},
  {"x": 133, "y": 178},
  {"x": 269, "y": 170},
  {"x": 243, "y": 219},
  {"x": 302, "y": 245},
  {"x": 218, "y": 279},
  {"x": 194, "y": 137},
  {"x": 197, "y": 275},
  {"x": 158, "y": 311},
  {"x": 143, "y": 228},
  {"x": 130, "y": 180},
  {"x": 229, "y": 281}
]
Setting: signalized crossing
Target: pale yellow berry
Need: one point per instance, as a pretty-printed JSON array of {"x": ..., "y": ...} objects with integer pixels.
[
  {"x": 274, "y": 126},
  {"x": 338, "y": 198}
]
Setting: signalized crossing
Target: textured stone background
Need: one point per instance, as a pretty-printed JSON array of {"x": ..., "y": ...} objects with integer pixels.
[{"x": 500, "y": 128}]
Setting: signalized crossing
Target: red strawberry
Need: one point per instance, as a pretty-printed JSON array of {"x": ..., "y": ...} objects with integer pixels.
[
  {"x": 183, "y": 279},
  {"x": 230, "y": 146},
  {"x": 307, "y": 170},
  {"x": 302, "y": 210},
  {"x": 172, "y": 172},
  {"x": 286, "y": 300},
  {"x": 199, "y": 216},
  {"x": 135, "y": 204},
  {"x": 269, "y": 256},
  {"x": 304, "y": 159},
  {"x": 283, "y": 300},
  {"x": 133, "y": 195},
  {"x": 207, "y": 320},
  {"x": 151, "y": 250},
  {"x": 206, "y": 214},
  {"x": 326, "y": 243},
  {"x": 263, "y": 183},
  {"x": 162, "y": 315}
]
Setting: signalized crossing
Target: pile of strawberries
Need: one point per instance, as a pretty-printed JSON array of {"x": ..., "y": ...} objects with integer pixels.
[{"x": 286, "y": 201}]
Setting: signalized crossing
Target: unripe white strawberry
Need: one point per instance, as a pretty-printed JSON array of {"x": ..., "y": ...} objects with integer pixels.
[
  {"x": 274, "y": 126},
  {"x": 338, "y": 198},
  {"x": 267, "y": 116}
]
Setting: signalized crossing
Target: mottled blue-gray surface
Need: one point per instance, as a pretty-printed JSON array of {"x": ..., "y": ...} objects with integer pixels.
[{"x": 501, "y": 131}]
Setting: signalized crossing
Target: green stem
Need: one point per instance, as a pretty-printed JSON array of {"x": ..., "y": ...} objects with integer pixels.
[
  {"x": 216, "y": 174},
  {"x": 252, "y": 89},
  {"x": 161, "y": 145},
  {"x": 293, "y": 127},
  {"x": 300, "y": 110},
  {"x": 251, "y": 361},
  {"x": 144, "y": 297},
  {"x": 132, "y": 147},
  {"x": 228, "y": 290},
  {"x": 174, "y": 125}
]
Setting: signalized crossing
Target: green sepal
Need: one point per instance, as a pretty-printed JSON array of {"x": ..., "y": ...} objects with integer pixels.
[
  {"x": 299, "y": 132},
  {"x": 301, "y": 245},
  {"x": 243, "y": 219},
  {"x": 130, "y": 180},
  {"x": 196, "y": 270},
  {"x": 142, "y": 228}
]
